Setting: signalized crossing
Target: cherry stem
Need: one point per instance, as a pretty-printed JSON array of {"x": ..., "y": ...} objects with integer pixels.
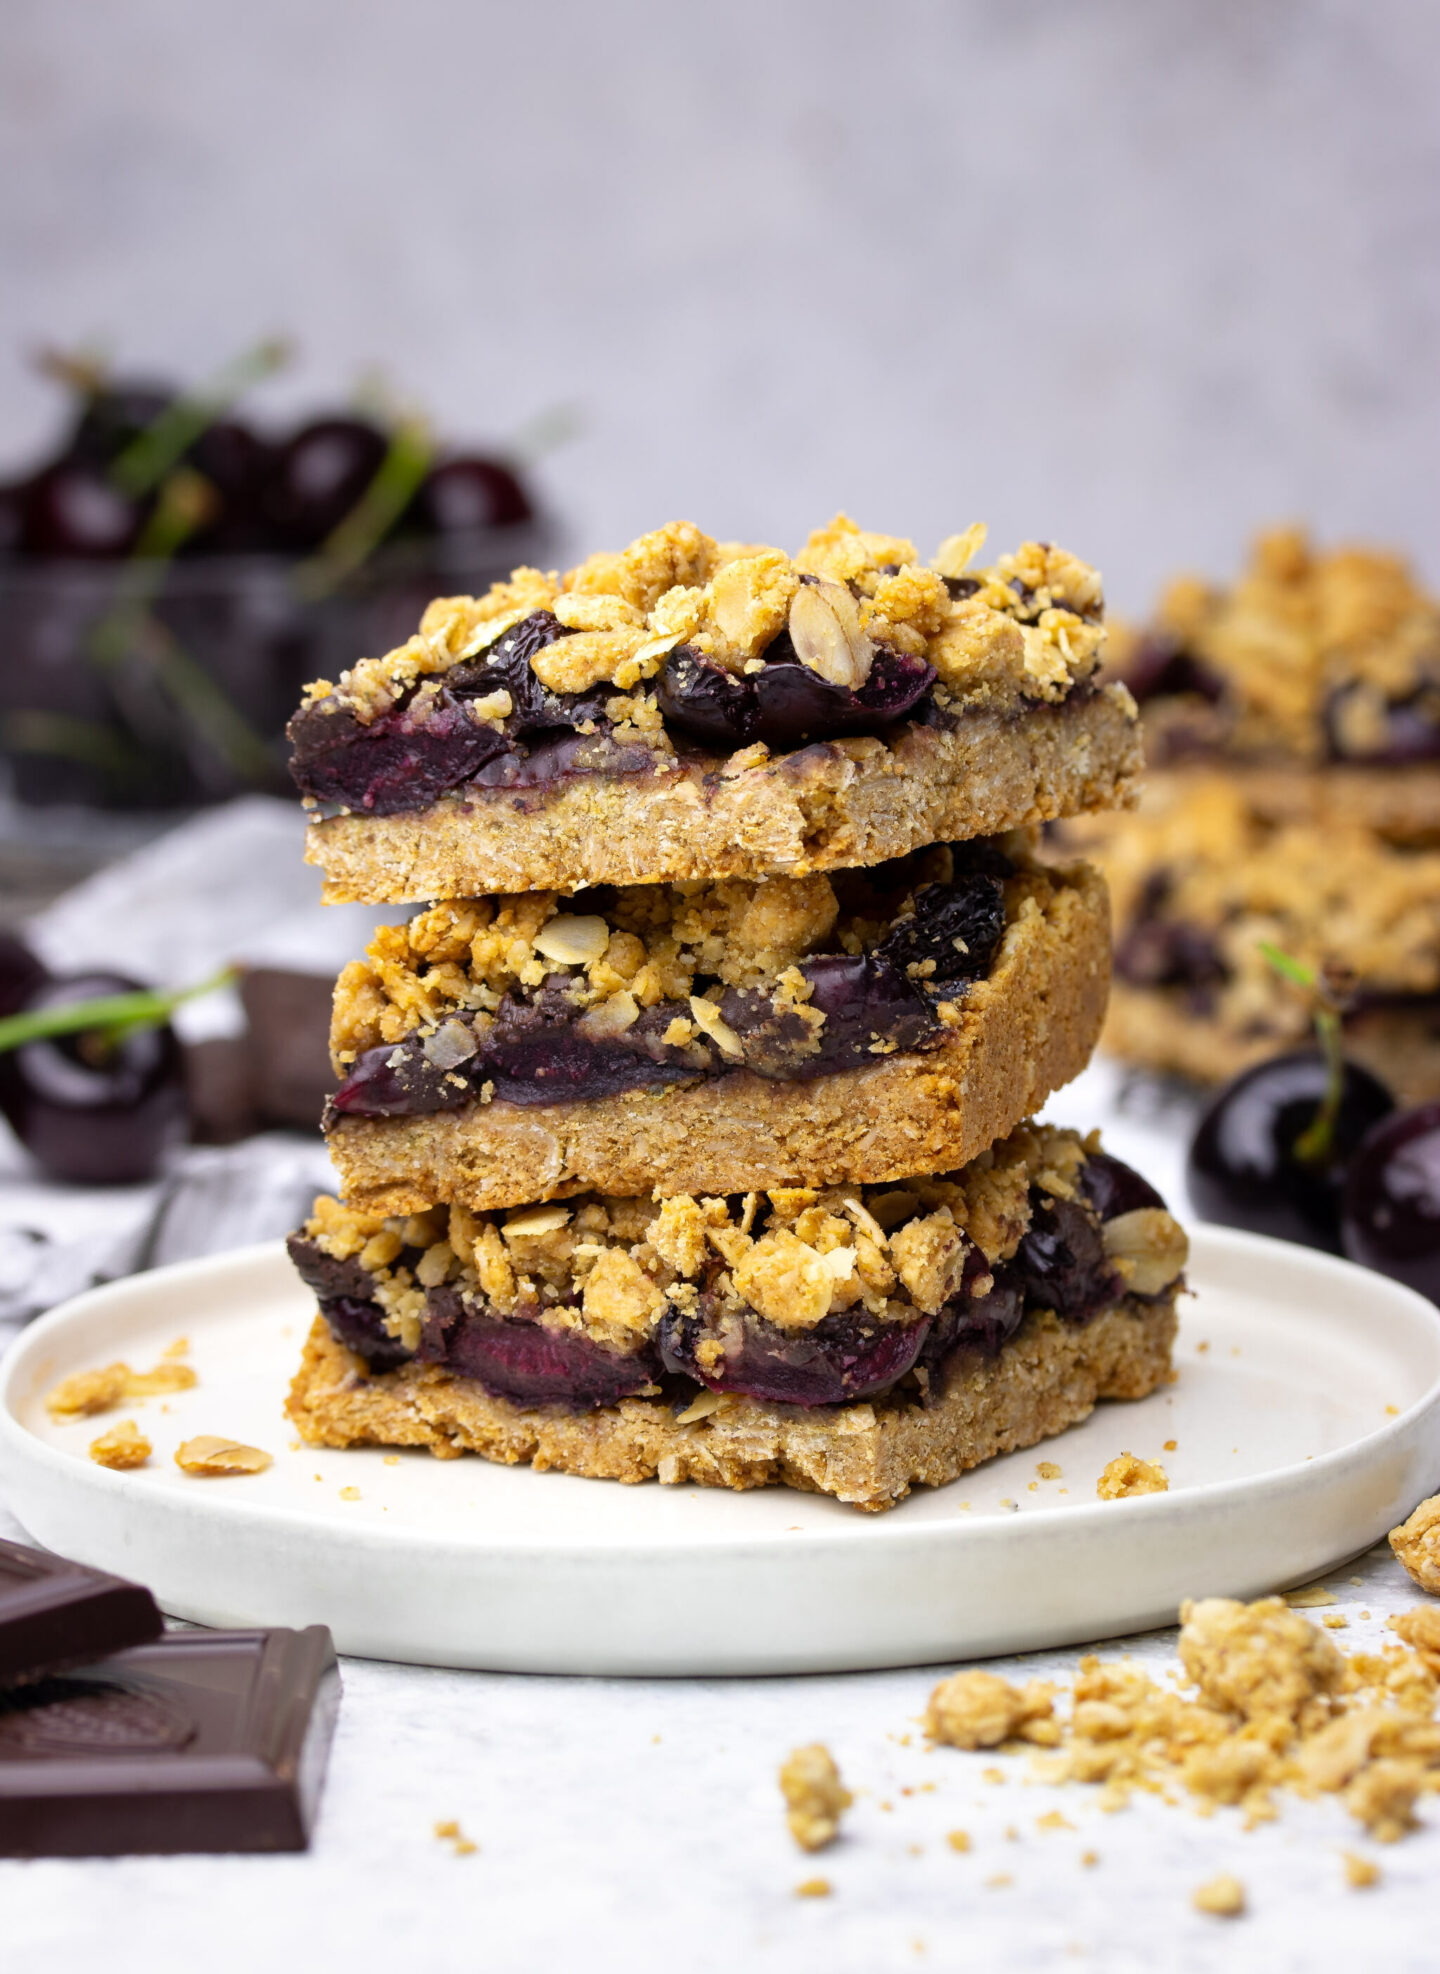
[
  {"x": 164, "y": 443},
  {"x": 112, "y": 1015},
  {"x": 1315, "y": 1144},
  {"x": 397, "y": 479}
]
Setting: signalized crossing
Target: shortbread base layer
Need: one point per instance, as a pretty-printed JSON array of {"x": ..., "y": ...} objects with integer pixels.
[
  {"x": 1155, "y": 1030},
  {"x": 1024, "y": 1032},
  {"x": 826, "y": 807},
  {"x": 1048, "y": 1377},
  {"x": 1402, "y": 804}
]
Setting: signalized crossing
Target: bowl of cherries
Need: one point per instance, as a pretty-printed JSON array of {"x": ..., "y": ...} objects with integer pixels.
[
  {"x": 173, "y": 574},
  {"x": 1311, "y": 1147}
]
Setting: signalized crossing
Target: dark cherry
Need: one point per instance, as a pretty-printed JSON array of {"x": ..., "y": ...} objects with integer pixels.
[
  {"x": 1242, "y": 1169},
  {"x": 1390, "y": 1210},
  {"x": 954, "y": 929},
  {"x": 785, "y": 703},
  {"x": 75, "y": 509},
  {"x": 526, "y": 1363},
  {"x": 88, "y": 1111},
  {"x": 463, "y": 496},
  {"x": 12, "y": 518},
  {"x": 319, "y": 476},
  {"x": 21, "y": 973},
  {"x": 113, "y": 417},
  {"x": 1162, "y": 668},
  {"x": 1411, "y": 730},
  {"x": 237, "y": 462},
  {"x": 1113, "y": 1188},
  {"x": 842, "y": 1358},
  {"x": 1060, "y": 1263}
]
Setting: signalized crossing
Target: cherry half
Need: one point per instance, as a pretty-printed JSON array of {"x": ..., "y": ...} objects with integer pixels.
[
  {"x": 1244, "y": 1170},
  {"x": 1390, "y": 1213},
  {"x": 90, "y": 1109}
]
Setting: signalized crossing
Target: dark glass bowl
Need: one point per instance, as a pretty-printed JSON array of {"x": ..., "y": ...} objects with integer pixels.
[{"x": 133, "y": 686}]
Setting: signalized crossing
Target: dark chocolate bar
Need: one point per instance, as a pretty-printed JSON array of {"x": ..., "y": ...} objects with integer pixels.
[
  {"x": 55, "y": 1614},
  {"x": 202, "y": 1741}
]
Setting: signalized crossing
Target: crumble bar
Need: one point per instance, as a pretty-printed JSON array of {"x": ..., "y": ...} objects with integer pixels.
[
  {"x": 855, "y": 1341},
  {"x": 887, "y": 1092},
  {"x": 695, "y": 709},
  {"x": 1199, "y": 879}
]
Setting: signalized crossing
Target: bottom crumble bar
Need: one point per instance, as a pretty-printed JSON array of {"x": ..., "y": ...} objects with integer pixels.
[{"x": 1049, "y": 1376}]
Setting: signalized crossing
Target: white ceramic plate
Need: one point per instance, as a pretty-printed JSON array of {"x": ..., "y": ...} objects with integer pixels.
[{"x": 1306, "y": 1422}]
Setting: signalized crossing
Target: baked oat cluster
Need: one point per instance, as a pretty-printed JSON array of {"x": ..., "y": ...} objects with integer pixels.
[
  {"x": 1273, "y": 1705},
  {"x": 1030, "y": 625},
  {"x": 1310, "y": 657},
  {"x": 684, "y": 1130}
]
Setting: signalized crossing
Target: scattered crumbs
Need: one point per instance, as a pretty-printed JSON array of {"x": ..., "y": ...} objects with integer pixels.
[
  {"x": 1007, "y": 1502},
  {"x": 814, "y": 1796},
  {"x": 349, "y": 1494},
  {"x": 992, "y": 1775},
  {"x": 1064, "y": 1490},
  {"x": 1047, "y": 1470},
  {"x": 958, "y": 1840},
  {"x": 1012, "y": 1835},
  {"x": 295, "y": 1446},
  {"x": 964, "y": 1504},
  {"x": 907, "y": 1791},
  {"x": 1032, "y": 1487},
  {"x": 1392, "y": 1411},
  {"x": 1365, "y": 1615},
  {"x": 1053, "y": 1820},
  {"x": 1359, "y": 1871},
  {"x": 1089, "y": 1859},
  {"x": 392, "y": 1460},
  {"x": 319, "y": 1477},
  {"x": 813, "y": 1888},
  {"x": 885, "y": 1806},
  {"x": 918, "y": 1946},
  {"x": 89, "y": 1392},
  {"x": 1202, "y": 1347},
  {"x": 1127, "y": 1476},
  {"x": 654, "y": 1740},
  {"x": 210, "y": 1454},
  {"x": 905, "y": 1743},
  {"x": 1358, "y": 1581},
  {"x": 122, "y": 1448},
  {"x": 449, "y": 1832},
  {"x": 1313, "y": 1595},
  {"x": 1170, "y": 1445},
  {"x": 927, "y": 1788},
  {"x": 1001, "y": 1878},
  {"x": 916, "y": 1850},
  {"x": 180, "y": 1348},
  {"x": 1335, "y": 1621},
  {"x": 1224, "y": 1896}
]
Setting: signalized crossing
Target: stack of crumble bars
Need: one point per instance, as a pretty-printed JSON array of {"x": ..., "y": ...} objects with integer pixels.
[
  {"x": 689, "y": 1135},
  {"x": 1292, "y": 723}
]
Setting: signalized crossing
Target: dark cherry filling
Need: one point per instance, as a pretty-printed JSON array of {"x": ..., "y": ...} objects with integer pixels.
[
  {"x": 538, "y": 1050},
  {"x": 402, "y": 761},
  {"x": 1412, "y": 730},
  {"x": 1156, "y": 951},
  {"x": 1060, "y": 1264}
]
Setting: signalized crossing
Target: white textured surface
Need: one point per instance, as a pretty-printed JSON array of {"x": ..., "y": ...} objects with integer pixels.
[{"x": 1133, "y": 276}]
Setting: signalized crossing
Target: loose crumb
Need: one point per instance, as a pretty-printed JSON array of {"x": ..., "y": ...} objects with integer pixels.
[
  {"x": 1417, "y": 1544},
  {"x": 123, "y": 1447},
  {"x": 1089, "y": 1859},
  {"x": 1001, "y": 1879},
  {"x": 1335, "y": 1621},
  {"x": 449, "y": 1831},
  {"x": 814, "y": 1795},
  {"x": 958, "y": 1840},
  {"x": 814, "y": 1888},
  {"x": 1127, "y": 1476},
  {"x": 992, "y": 1775},
  {"x": 180, "y": 1348},
  {"x": 1047, "y": 1470},
  {"x": 1170, "y": 1446},
  {"x": 349, "y": 1494},
  {"x": 88, "y": 1392},
  {"x": 1420, "y": 1629},
  {"x": 980, "y": 1710},
  {"x": 1310, "y": 1598},
  {"x": 1224, "y": 1896},
  {"x": 1053, "y": 1820},
  {"x": 210, "y": 1454},
  {"x": 392, "y": 1460},
  {"x": 1359, "y": 1871}
]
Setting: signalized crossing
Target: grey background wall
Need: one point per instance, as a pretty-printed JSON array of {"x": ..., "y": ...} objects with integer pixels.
[{"x": 1129, "y": 273}]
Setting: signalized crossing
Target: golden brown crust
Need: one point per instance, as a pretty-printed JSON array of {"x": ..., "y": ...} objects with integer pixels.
[
  {"x": 838, "y": 804},
  {"x": 1022, "y": 1033},
  {"x": 1047, "y": 1378}
]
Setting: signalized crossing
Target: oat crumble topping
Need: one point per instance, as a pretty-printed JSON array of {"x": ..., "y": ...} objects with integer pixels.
[
  {"x": 815, "y": 1797},
  {"x": 607, "y": 1266},
  {"x": 87, "y": 1393},
  {"x": 1417, "y": 1543},
  {"x": 1028, "y": 626}
]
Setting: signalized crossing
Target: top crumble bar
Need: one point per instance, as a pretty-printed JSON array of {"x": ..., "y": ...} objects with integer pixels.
[{"x": 689, "y": 708}]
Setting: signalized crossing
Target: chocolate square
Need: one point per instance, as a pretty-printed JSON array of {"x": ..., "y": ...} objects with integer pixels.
[
  {"x": 203, "y": 1741},
  {"x": 55, "y": 1614}
]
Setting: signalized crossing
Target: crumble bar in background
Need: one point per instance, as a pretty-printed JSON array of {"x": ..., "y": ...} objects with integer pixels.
[
  {"x": 856, "y": 1342},
  {"x": 688, "y": 708}
]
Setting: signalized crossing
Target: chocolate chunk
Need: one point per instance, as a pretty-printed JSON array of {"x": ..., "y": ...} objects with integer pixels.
[
  {"x": 203, "y": 1741},
  {"x": 55, "y": 1613}
]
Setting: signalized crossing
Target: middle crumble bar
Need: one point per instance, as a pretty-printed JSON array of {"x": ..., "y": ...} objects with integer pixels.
[{"x": 715, "y": 1037}]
